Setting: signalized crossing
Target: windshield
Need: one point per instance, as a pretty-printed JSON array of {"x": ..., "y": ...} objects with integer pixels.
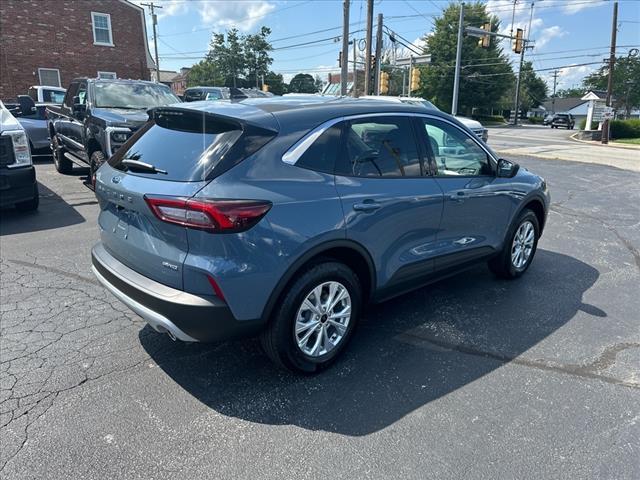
[{"x": 133, "y": 95}]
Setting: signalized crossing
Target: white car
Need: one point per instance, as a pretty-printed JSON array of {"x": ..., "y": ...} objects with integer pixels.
[
  {"x": 473, "y": 125},
  {"x": 17, "y": 176}
]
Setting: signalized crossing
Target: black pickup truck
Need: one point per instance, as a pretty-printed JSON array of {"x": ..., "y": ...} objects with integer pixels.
[{"x": 97, "y": 116}]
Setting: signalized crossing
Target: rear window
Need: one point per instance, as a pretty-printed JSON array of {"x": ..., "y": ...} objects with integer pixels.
[{"x": 188, "y": 146}]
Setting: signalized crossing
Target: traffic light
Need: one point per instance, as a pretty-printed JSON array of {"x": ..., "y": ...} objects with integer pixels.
[
  {"x": 340, "y": 59},
  {"x": 517, "y": 46},
  {"x": 384, "y": 83},
  {"x": 485, "y": 40},
  {"x": 373, "y": 64},
  {"x": 415, "y": 79}
]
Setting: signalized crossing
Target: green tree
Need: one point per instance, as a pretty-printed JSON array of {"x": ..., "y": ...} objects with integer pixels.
[
  {"x": 228, "y": 56},
  {"x": 318, "y": 83},
  {"x": 570, "y": 92},
  {"x": 302, "y": 83},
  {"x": 486, "y": 73},
  {"x": 626, "y": 86},
  {"x": 533, "y": 89},
  {"x": 256, "y": 55},
  {"x": 205, "y": 73},
  {"x": 276, "y": 83}
]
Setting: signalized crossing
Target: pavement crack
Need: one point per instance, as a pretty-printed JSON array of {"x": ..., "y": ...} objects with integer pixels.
[{"x": 55, "y": 270}]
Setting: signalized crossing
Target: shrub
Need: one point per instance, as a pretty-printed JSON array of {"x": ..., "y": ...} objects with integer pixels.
[
  {"x": 625, "y": 128},
  {"x": 536, "y": 120},
  {"x": 489, "y": 118},
  {"x": 583, "y": 122}
]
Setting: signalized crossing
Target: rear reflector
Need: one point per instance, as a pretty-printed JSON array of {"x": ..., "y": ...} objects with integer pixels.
[{"x": 222, "y": 216}]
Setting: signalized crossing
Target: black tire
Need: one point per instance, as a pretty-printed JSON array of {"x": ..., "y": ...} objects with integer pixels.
[
  {"x": 278, "y": 340},
  {"x": 63, "y": 165},
  {"x": 502, "y": 265},
  {"x": 95, "y": 162},
  {"x": 30, "y": 205}
]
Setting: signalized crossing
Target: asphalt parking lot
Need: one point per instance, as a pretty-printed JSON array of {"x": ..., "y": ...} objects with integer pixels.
[{"x": 472, "y": 377}]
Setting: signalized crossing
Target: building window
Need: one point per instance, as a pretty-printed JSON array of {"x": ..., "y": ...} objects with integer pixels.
[
  {"x": 107, "y": 75},
  {"x": 102, "y": 29},
  {"x": 49, "y": 77}
]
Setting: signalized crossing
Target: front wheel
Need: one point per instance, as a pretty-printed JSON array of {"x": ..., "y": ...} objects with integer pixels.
[
  {"x": 520, "y": 247},
  {"x": 62, "y": 164},
  {"x": 315, "y": 319}
]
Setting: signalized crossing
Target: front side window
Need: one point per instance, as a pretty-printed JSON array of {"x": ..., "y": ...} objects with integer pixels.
[
  {"x": 101, "y": 29},
  {"x": 454, "y": 152},
  {"x": 49, "y": 77},
  {"x": 133, "y": 95},
  {"x": 380, "y": 147}
]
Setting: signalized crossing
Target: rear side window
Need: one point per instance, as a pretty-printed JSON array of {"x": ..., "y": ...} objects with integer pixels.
[
  {"x": 322, "y": 154},
  {"x": 188, "y": 146},
  {"x": 380, "y": 147}
]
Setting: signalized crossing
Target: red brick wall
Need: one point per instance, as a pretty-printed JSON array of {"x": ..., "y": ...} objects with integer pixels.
[{"x": 58, "y": 34}]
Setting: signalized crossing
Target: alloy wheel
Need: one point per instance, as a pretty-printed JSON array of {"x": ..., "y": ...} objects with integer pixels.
[
  {"x": 522, "y": 245},
  {"x": 322, "y": 319}
]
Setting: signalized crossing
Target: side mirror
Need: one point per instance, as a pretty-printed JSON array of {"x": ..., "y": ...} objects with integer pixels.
[{"x": 507, "y": 169}]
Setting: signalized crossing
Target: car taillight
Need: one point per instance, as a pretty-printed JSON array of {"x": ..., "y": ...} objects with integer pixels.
[{"x": 222, "y": 216}]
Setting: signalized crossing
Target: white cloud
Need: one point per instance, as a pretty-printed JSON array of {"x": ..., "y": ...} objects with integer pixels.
[
  {"x": 243, "y": 15},
  {"x": 574, "y": 7},
  {"x": 548, "y": 34},
  {"x": 170, "y": 8},
  {"x": 572, "y": 76}
]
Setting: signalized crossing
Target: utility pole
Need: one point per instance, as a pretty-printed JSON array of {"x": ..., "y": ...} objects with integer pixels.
[
  {"x": 345, "y": 50},
  {"x": 524, "y": 47},
  {"x": 456, "y": 78},
  {"x": 612, "y": 61},
  {"x": 553, "y": 98},
  {"x": 355, "y": 71},
  {"x": 154, "y": 19},
  {"x": 376, "y": 80},
  {"x": 367, "y": 52}
]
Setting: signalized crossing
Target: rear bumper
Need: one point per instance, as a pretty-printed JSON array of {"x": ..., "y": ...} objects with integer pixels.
[
  {"x": 187, "y": 317},
  {"x": 17, "y": 185}
]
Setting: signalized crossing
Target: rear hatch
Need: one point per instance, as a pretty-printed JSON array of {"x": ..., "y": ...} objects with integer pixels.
[{"x": 170, "y": 158}]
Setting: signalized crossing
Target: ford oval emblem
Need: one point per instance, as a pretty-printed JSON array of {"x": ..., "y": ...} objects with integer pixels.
[{"x": 116, "y": 179}]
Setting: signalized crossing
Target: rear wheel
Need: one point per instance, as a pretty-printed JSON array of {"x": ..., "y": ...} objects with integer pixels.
[
  {"x": 520, "y": 247},
  {"x": 315, "y": 319},
  {"x": 95, "y": 162},
  {"x": 62, "y": 164}
]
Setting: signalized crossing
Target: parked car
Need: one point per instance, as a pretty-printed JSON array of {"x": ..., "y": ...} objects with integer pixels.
[
  {"x": 565, "y": 120},
  {"x": 97, "y": 116},
  {"x": 33, "y": 118},
  {"x": 18, "y": 184},
  {"x": 547, "y": 119},
  {"x": 283, "y": 218},
  {"x": 475, "y": 126},
  {"x": 47, "y": 94},
  {"x": 194, "y": 94}
]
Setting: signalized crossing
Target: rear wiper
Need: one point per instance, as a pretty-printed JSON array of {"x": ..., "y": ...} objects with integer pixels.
[{"x": 142, "y": 166}]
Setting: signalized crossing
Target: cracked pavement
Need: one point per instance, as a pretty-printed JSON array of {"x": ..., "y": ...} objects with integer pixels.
[{"x": 472, "y": 377}]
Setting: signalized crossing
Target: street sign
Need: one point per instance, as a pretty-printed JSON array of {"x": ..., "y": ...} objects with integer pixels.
[
  {"x": 599, "y": 108},
  {"x": 417, "y": 60}
]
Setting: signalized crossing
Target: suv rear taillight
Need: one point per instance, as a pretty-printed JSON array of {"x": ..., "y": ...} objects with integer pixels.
[{"x": 222, "y": 216}]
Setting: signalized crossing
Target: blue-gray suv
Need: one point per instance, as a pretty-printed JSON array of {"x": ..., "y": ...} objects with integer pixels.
[{"x": 284, "y": 217}]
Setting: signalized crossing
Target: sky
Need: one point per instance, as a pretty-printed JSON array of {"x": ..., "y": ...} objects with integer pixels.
[{"x": 565, "y": 32}]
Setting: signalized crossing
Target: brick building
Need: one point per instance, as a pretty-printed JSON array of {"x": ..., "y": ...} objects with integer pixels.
[{"x": 50, "y": 42}]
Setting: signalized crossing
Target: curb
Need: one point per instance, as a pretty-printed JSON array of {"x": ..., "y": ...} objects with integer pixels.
[{"x": 598, "y": 144}]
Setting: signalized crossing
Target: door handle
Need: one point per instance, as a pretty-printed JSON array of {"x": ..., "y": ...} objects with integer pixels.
[
  {"x": 458, "y": 196},
  {"x": 366, "y": 206}
]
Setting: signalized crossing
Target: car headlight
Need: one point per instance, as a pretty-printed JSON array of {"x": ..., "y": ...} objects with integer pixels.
[
  {"x": 21, "y": 150},
  {"x": 119, "y": 137}
]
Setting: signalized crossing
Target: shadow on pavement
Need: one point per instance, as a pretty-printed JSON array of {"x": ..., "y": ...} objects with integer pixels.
[
  {"x": 406, "y": 353},
  {"x": 53, "y": 212}
]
